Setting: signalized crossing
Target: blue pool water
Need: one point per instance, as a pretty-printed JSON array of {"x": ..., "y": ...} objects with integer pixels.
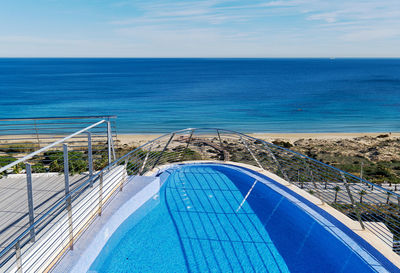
[
  {"x": 196, "y": 224},
  {"x": 247, "y": 95}
]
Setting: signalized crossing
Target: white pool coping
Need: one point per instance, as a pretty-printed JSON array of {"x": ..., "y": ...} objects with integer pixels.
[{"x": 137, "y": 191}]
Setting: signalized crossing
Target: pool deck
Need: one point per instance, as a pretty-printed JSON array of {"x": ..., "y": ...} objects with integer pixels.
[{"x": 14, "y": 212}]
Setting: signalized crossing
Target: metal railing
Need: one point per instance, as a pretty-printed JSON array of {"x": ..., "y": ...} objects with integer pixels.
[
  {"x": 22, "y": 136},
  {"x": 39, "y": 165},
  {"x": 374, "y": 207}
]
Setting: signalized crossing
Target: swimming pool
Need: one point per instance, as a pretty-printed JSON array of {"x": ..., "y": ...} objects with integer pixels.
[{"x": 221, "y": 218}]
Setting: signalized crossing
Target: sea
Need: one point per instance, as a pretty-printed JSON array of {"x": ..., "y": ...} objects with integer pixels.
[{"x": 157, "y": 95}]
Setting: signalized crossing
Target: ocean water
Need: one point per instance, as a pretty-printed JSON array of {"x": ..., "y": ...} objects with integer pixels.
[{"x": 249, "y": 95}]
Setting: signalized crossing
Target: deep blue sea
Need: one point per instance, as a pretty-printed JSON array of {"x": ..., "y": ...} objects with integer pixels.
[{"x": 249, "y": 95}]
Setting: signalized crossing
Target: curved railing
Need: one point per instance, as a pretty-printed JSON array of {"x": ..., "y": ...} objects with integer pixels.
[{"x": 373, "y": 207}]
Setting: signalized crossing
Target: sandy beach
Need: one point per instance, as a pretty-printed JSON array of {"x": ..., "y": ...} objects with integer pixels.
[{"x": 140, "y": 139}]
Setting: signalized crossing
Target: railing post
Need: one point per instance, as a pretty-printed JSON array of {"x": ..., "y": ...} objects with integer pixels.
[
  {"x": 316, "y": 187},
  {"x": 68, "y": 197},
  {"x": 312, "y": 180},
  {"x": 187, "y": 146},
  {"x": 125, "y": 170},
  {"x": 165, "y": 147},
  {"x": 37, "y": 133},
  {"x": 30, "y": 199},
  {"x": 355, "y": 206},
  {"x": 219, "y": 138},
  {"x": 220, "y": 143},
  {"x": 145, "y": 159},
  {"x": 108, "y": 141},
  {"x": 90, "y": 158},
  {"x": 252, "y": 154},
  {"x": 100, "y": 194},
  {"x": 190, "y": 139},
  {"x": 277, "y": 163},
  {"x": 18, "y": 257}
]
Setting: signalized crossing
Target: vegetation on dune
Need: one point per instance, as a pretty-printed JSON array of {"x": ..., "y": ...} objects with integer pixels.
[
  {"x": 376, "y": 172},
  {"x": 377, "y": 157},
  {"x": 77, "y": 161},
  {"x": 53, "y": 160},
  {"x": 5, "y": 160},
  {"x": 18, "y": 148},
  {"x": 39, "y": 168},
  {"x": 283, "y": 144}
]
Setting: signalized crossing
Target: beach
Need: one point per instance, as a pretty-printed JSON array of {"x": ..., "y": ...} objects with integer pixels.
[{"x": 140, "y": 139}]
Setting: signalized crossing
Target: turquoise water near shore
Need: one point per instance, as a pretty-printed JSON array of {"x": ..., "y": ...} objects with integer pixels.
[{"x": 249, "y": 95}]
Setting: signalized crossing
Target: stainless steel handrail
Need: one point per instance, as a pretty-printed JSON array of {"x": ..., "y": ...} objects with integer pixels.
[
  {"x": 48, "y": 147},
  {"x": 51, "y": 206}
]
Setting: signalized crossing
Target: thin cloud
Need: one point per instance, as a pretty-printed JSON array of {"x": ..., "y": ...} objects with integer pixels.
[
  {"x": 370, "y": 34},
  {"x": 211, "y": 28}
]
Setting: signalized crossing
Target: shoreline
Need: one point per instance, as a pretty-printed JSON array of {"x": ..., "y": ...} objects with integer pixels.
[
  {"x": 140, "y": 138},
  {"x": 322, "y": 136},
  {"x": 137, "y": 139}
]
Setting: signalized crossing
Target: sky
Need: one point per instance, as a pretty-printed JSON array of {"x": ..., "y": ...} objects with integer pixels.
[{"x": 208, "y": 28}]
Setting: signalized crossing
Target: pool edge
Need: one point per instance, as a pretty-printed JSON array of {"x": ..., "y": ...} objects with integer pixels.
[
  {"x": 86, "y": 250},
  {"x": 354, "y": 226}
]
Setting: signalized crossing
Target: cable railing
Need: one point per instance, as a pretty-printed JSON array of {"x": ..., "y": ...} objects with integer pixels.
[
  {"x": 372, "y": 206},
  {"x": 36, "y": 177},
  {"x": 22, "y": 136},
  {"x": 78, "y": 197}
]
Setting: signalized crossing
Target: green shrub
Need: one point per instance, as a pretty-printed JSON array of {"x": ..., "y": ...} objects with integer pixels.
[
  {"x": 382, "y": 171},
  {"x": 189, "y": 154},
  {"x": 77, "y": 162},
  {"x": 383, "y": 136},
  {"x": 100, "y": 161},
  {"x": 38, "y": 168},
  {"x": 283, "y": 144},
  {"x": 133, "y": 168},
  {"x": 18, "y": 148},
  {"x": 5, "y": 160}
]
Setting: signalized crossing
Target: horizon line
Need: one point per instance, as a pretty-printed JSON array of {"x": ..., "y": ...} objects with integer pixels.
[{"x": 116, "y": 57}]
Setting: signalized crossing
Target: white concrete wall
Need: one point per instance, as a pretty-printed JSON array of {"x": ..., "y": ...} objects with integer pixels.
[{"x": 136, "y": 193}]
